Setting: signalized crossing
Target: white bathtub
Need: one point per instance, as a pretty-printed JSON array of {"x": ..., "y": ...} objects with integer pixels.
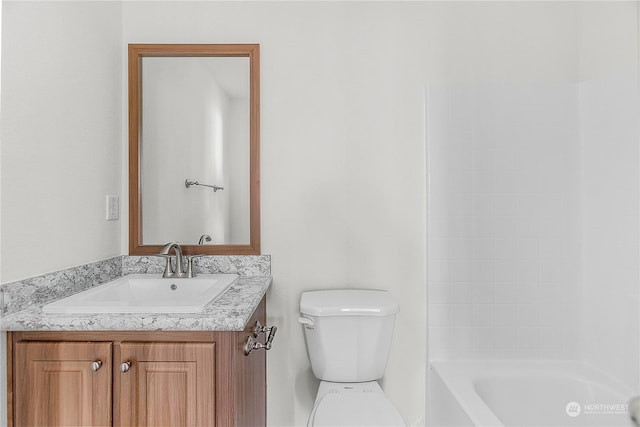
[{"x": 523, "y": 393}]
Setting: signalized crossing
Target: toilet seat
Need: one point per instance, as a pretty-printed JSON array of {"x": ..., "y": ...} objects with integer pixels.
[{"x": 362, "y": 408}]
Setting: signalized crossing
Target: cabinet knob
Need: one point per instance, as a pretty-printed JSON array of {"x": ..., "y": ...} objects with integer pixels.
[
  {"x": 96, "y": 365},
  {"x": 124, "y": 367}
]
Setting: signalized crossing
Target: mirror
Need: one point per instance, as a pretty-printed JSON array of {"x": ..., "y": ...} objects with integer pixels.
[{"x": 194, "y": 148}]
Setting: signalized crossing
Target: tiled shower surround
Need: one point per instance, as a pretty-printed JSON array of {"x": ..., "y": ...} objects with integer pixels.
[
  {"x": 533, "y": 222},
  {"x": 16, "y": 296},
  {"x": 503, "y": 226}
]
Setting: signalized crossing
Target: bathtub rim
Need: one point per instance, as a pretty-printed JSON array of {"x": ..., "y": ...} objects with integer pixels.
[{"x": 459, "y": 377}]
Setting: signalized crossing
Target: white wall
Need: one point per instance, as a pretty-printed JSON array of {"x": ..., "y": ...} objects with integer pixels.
[
  {"x": 503, "y": 42},
  {"x": 60, "y": 132},
  {"x": 61, "y": 138},
  {"x": 3, "y": 337},
  {"x": 608, "y": 38}
]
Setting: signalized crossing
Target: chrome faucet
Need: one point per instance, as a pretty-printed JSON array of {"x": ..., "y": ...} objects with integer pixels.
[{"x": 169, "y": 270}]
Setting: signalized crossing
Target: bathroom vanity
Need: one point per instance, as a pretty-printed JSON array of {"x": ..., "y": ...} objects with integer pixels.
[
  {"x": 139, "y": 369},
  {"x": 130, "y": 378},
  {"x": 133, "y": 355}
]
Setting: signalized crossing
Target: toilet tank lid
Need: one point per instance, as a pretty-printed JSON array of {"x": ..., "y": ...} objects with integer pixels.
[{"x": 348, "y": 302}]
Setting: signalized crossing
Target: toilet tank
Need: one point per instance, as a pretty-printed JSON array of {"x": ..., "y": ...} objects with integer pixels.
[{"x": 348, "y": 333}]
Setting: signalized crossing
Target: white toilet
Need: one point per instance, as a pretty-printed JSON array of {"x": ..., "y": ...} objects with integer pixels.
[{"x": 348, "y": 335}]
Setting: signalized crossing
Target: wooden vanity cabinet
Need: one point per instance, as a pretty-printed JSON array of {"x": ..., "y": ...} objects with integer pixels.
[
  {"x": 166, "y": 384},
  {"x": 58, "y": 385},
  {"x": 136, "y": 378}
]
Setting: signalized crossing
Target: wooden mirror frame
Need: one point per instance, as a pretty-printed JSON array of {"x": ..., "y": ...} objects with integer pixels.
[{"x": 136, "y": 53}]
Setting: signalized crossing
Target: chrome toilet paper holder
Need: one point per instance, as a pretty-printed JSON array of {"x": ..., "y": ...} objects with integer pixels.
[{"x": 252, "y": 342}]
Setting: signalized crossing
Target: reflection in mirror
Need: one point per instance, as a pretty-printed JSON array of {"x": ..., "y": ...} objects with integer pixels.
[{"x": 194, "y": 148}]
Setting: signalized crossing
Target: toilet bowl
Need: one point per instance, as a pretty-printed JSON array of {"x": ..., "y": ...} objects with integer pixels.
[{"x": 348, "y": 336}]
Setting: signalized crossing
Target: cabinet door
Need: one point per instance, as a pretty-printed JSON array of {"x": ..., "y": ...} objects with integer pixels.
[
  {"x": 57, "y": 385},
  {"x": 167, "y": 384}
]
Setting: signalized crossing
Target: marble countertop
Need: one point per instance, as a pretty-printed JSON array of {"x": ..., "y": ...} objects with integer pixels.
[{"x": 229, "y": 312}]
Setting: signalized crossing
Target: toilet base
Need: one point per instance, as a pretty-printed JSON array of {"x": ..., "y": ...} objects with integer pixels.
[{"x": 353, "y": 404}]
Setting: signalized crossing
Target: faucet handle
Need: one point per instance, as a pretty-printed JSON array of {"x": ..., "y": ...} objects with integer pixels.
[{"x": 191, "y": 271}]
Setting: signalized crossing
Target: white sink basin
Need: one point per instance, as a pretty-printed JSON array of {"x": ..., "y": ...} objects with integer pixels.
[{"x": 146, "y": 293}]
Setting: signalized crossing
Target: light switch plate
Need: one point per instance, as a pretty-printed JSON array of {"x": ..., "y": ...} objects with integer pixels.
[{"x": 113, "y": 207}]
